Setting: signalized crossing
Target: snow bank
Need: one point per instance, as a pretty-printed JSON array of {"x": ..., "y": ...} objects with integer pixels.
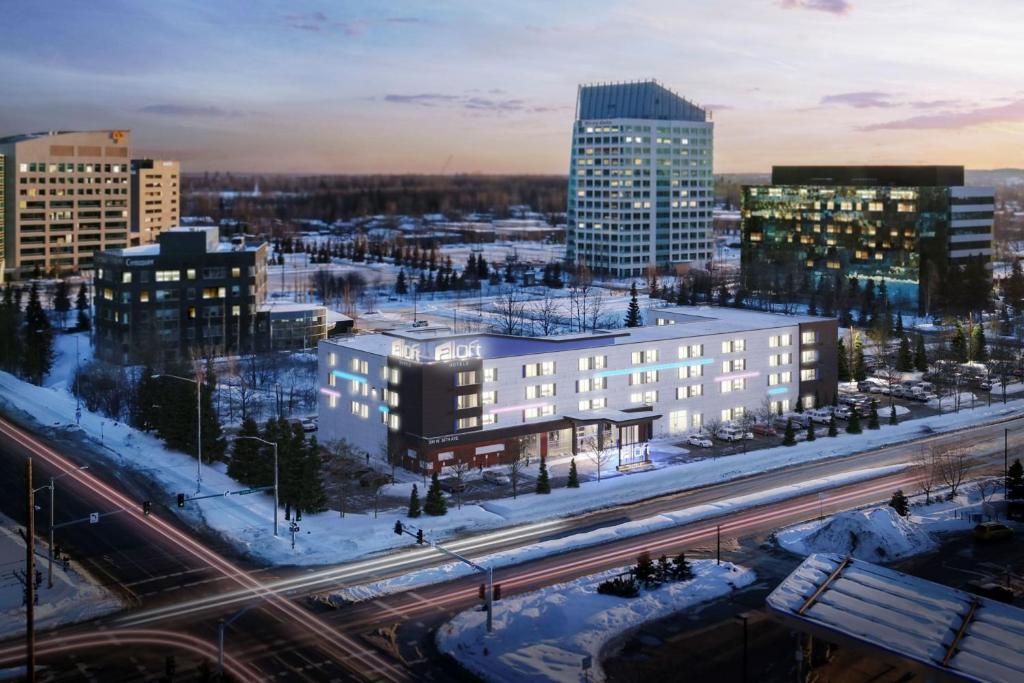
[
  {"x": 876, "y": 534},
  {"x": 544, "y": 635}
]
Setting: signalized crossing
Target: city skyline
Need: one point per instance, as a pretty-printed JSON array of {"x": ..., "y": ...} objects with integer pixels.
[{"x": 462, "y": 88}]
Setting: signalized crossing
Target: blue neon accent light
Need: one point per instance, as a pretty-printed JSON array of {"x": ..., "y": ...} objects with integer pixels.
[
  {"x": 345, "y": 375},
  {"x": 777, "y": 390},
  {"x": 384, "y": 409},
  {"x": 648, "y": 368}
]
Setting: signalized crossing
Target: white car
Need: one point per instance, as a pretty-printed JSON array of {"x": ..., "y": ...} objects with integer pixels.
[
  {"x": 841, "y": 412},
  {"x": 821, "y": 415},
  {"x": 699, "y": 440}
]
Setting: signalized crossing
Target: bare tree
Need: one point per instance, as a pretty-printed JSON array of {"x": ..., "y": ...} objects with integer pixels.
[
  {"x": 510, "y": 306},
  {"x": 342, "y": 466},
  {"x": 516, "y": 463},
  {"x": 460, "y": 468},
  {"x": 986, "y": 488},
  {"x": 927, "y": 474},
  {"x": 579, "y": 292},
  {"x": 595, "y": 308},
  {"x": 1002, "y": 361},
  {"x": 952, "y": 463},
  {"x": 545, "y": 313},
  {"x": 599, "y": 456},
  {"x": 713, "y": 425},
  {"x": 391, "y": 453},
  {"x": 763, "y": 413}
]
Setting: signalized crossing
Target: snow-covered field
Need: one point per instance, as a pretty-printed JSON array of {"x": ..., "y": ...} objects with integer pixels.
[
  {"x": 74, "y": 597},
  {"x": 545, "y": 635}
]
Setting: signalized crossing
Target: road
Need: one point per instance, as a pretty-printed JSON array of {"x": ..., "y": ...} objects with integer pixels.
[{"x": 185, "y": 586}]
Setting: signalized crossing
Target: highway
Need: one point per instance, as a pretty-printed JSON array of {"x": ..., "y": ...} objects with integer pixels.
[{"x": 182, "y": 587}]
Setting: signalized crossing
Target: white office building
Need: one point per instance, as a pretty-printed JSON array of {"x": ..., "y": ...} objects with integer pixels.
[
  {"x": 640, "y": 180},
  {"x": 431, "y": 397}
]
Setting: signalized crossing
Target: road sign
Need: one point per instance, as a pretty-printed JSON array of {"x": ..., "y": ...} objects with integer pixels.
[{"x": 94, "y": 517}]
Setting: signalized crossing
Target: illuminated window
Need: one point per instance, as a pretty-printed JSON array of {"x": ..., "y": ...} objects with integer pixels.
[
  {"x": 490, "y": 374},
  {"x": 332, "y": 401},
  {"x": 647, "y": 356},
  {"x": 236, "y": 272},
  {"x": 540, "y": 391},
  {"x": 808, "y": 356},
  {"x": 690, "y": 391},
  {"x": 734, "y": 346},
  {"x": 168, "y": 276},
  {"x": 360, "y": 409},
  {"x": 191, "y": 274},
  {"x": 489, "y": 398},
  {"x": 464, "y": 401},
  {"x": 688, "y": 371},
  {"x": 647, "y": 397},
  {"x": 126, "y": 278},
  {"x": 735, "y": 365},
  {"x": 465, "y": 378},
  {"x": 144, "y": 296},
  {"x": 809, "y": 375},
  {"x": 731, "y": 385},
  {"x": 691, "y": 351}
]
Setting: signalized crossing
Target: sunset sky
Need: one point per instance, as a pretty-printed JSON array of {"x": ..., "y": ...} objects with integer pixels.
[{"x": 356, "y": 87}]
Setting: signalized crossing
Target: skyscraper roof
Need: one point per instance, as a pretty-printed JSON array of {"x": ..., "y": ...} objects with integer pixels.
[{"x": 639, "y": 100}]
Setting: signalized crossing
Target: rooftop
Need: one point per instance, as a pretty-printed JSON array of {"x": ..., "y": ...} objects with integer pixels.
[
  {"x": 636, "y": 100},
  {"x": 22, "y": 137},
  {"x": 870, "y": 176}
]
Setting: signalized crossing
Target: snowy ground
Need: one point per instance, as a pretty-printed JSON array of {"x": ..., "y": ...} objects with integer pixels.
[
  {"x": 544, "y": 635},
  {"x": 73, "y": 598},
  {"x": 878, "y": 534}
]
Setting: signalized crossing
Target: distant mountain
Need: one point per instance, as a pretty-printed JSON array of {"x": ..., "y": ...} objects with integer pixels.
[{"x": 996, "y": 177}]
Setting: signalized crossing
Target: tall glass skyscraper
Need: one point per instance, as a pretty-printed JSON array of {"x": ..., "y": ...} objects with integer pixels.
[{"x": 640, "y": 180}]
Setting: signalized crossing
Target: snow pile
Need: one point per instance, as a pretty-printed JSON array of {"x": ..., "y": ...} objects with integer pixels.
[
  {"x": 73, "y": 598},
  {"x": 874, "y": 534},
  {"x": 544, "y": 635}
]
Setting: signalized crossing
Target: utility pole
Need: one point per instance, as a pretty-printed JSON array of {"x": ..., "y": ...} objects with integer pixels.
[
  {"x": 718, "y": 544},
  {"x": 30, "y": 575},
  {"x": 1006, "y": 457}
]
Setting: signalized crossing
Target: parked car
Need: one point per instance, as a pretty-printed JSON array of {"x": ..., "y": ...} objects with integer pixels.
[
  {"x": 866, "y": 385},
  {"x": 699, "y": 440},
  {"x": 903, "y": 392},
  {"x": 842, "y": 412},
  {"x": 992, "y": 531},
  {"x": 496, "y": 478},
  {"x": 453, "y": 485},
  {"x": 762, "y": 429},
  {"x": 926, "y": 396},
  {"x": 730, "y": 433},
  {"x": 821, "y": 415}
]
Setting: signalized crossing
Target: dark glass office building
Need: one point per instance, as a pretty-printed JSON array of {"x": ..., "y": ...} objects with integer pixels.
[{"x": 909, "y": 226}]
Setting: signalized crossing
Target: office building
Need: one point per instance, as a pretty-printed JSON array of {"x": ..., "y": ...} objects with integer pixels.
[
  {"x": 284, "y": 326},
  {"x": 67, "y": 195},
  {"x": 434, "y": 397},
  {"x": 909, "y": 226},
  {"x": 187, "y": 294},
  {"x": 156, "y": 198},
  {"x": 640, "y": 180},
  {"x": 2, "y": 231}
]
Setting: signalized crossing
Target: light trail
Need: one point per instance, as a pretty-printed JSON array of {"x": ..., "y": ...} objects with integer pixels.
[{"x": 346, "y": 648}]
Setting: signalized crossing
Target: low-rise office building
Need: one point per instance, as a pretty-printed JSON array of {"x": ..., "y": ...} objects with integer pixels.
[
  {"x": 286, "y": 326},
  {"x": 188, "y": 293},
  {"x": 431, "y": 397}
]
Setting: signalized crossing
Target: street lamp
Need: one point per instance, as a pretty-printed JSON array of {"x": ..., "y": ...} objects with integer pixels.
[
  {"x": 199, "y": 425},
  {"x": 274, "y": 444},
  {"x": 49, "y": 570},
  {"x": 744, "y": 617}
]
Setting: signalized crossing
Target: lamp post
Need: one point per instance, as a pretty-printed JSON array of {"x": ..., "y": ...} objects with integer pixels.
[
  {"x": 744, "y": 617},
  {"x": 199, "y": 425},
  {"x": 53, "y": 491},
  {"x": 274, "y": 444}
]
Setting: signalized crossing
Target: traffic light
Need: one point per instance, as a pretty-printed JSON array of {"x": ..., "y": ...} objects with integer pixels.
[
  {"x": 497, "y": 591},
  {"x": 146, "y": 507},
  {"x": 398, "y": 527},
  {"x": 482, "y": 592},
  {"x": 181, "y": 500},
  {"x": 419, "y": 536}
]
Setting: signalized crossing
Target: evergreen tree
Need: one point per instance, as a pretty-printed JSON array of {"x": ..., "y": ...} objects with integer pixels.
[
  {"x": 1015, "y": 481},
  {"x": 212, "y": 434},
  {"x": 311, "y": 495},
  {"x": 633, "y": 318},
  {"x": 958, "y": 344},
  {"x": 789, "y": 437},
  {"x": 10, "y": 340},
  {"x": 61, "y": 302},
  {"x": 853, "y": 424},
  {"x": 899, "y": 503},
  {"x": 860, "y": 372},
  {"x": 400, "y": 285},
  {"x": 145, "y": 400},
  {"x": 246, "y": 457},
  {"x": 644, "y": 570},
  {"x": 434, "y": 505},
  {"x": 1013, "y": 287},
  {"x": 904, "y": 360},
  {"x": 37, "y": 348},
  {"x": 574, "y": 478},
  {"x": 414, "y": 503},
  {"x": 543, "y": 482},
  {"x": 873, "y": 416},
  {"x": 843, "y": 361},
  {"x": 892, "y": 415},
  {"x": 832, "y": 431},
  {"x": 682, "y": 295},
  {"x": 811, "y": 436},
  {"x": 979, "y": 350},
  {"x": 920, "y": 354},
  {"x": 898, "y": 327},
  {"x": 682, "y": 569},
  {"x": 82, "y": 305}
]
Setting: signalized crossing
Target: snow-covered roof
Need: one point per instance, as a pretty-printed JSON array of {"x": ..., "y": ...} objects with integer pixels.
[{"x": 850, "y": 601}]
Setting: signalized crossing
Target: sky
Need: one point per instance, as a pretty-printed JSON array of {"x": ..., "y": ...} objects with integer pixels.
[{"x": 490, "y": 87}]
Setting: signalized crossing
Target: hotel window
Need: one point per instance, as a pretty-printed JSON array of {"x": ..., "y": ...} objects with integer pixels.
[
  {"x": 731, "y": 414},
  {"x": 648, "y": 397},
  {"x": 393, "y": 422},
  {"x": 359, "y": 366},
  {"x": 691, "y": 351},
  {"x": 647, "y": 356},
  {"x": 808, "y": 356},
  {"x": 540, "y": 390},
  {"x": 593, "y": 363},
  {"x": 489, "y": 398},
  {"x": 393, "y": 376},
  {"x": 332, "y": 359},
  {"x": 778, "y": 340},
  {"x": 807, "y": 402},
  {"x": 359, "y": 388},
  {"x": 538, "y": 411},
  {"x": 735, "y": 365},
  {"x": 591, "y": 384},
  {"x": 360, "y": 409},
  {"x": 780, "y": 359},
  {"x": 465, "y": 378},
  {"x": 390, "y": 397},
  {"x": 809, "y": 337},
  {"x": 780, "y": 407},
  {"x": 665, "y": 321},
  {"x": 648, "y": 377},
  {"x": 465, "y": 401},
  {"x": 731, "y": 385},
  {"x": 777, "y": 378},
  {"x": 734, "y": 346},
  {"x": 691, "y": 391},
  {"x": 688, "y": 371},
  {"x": 488, "y": 419},
  {"x": 593, "y": 403},
  {"x": 539, "y": 369},
  {"x": 809, "y": 375},
  {"x": 332, "y": 401},
  {"x": 490, "y": 374},
  {"x": 467, "y": 422}
]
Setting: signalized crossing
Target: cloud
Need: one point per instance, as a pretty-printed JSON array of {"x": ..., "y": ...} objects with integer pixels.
[
  {"x": 320, "y": 22},
  {"x": 950, "y": 120},
  {"x": 861, "y": 100},
  {"x": 190, "y": 110},
  {"x": 719, "y": 107},
  {"x": 471, "y": 103},
  {"x": 421, "y": 99},
  {"x": 838, "y": 7}
]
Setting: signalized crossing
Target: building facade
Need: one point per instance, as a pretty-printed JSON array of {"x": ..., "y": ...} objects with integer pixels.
[
  {"x": 67, "y": 196},
  {"x": 640, "y": 180},
  {"x": 188, "y": 293},
  {"x": 429, "y": 398},
  {"x": 156, "y": 198},
  {"x": 908, "y": 226},
  {"x": 284, "y": 326}
]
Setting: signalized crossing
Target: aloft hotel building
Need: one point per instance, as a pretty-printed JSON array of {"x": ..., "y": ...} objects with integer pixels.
[
  {"x": 433, "y": 398},
  {"x": 640, "y": 180}
]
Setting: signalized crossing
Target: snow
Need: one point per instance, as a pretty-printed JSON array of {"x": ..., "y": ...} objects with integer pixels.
[
  {"x": 666, "y": 520},
  {"x": 914, "y": 618},
  {"x": 544, "y": 635},
  {"x": 74, "y": 597},
  {"x": 875, "y": 534}
]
